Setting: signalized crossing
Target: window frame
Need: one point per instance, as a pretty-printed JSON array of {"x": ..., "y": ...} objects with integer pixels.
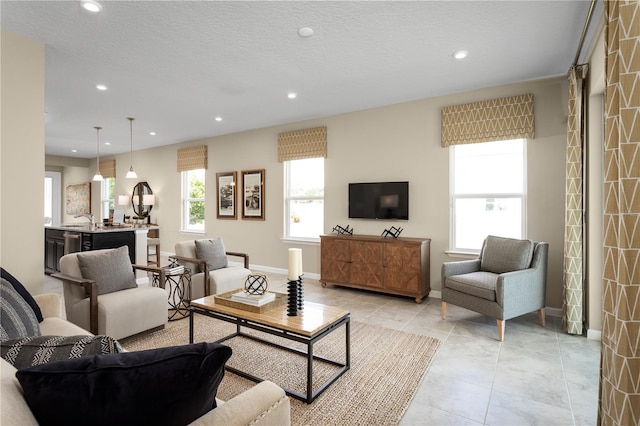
[
  {"x": 288, "y": 198},
  {"x": 453, "y": 197},
  {"x": 185, "y": 177},
  {"x": 105, "y": 201}
]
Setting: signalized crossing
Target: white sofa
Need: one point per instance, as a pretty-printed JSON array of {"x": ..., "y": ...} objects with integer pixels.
[{"x": 265, "y": 403}]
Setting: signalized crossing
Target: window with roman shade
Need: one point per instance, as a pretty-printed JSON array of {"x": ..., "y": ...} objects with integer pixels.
[
  {"x": 488, "y": 121},
  {"x": 108, "y": 168},
  {"x": 300, "y": 144},
  {"x": 192, "y": 158}
]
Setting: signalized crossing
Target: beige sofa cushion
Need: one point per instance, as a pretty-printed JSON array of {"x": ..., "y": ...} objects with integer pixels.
[{"x": 15, "y": 410}]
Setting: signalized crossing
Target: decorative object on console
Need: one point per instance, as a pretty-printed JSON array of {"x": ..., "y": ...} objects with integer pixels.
[
  {"x": 393, "y": 231},
  {"x": 340, "y": 230},
  {"x": 131, "y": 174},
  {"x": 98, "y": 177},
  {"x": 294, "y": 285},
  {"x": 256, "y": 284}
]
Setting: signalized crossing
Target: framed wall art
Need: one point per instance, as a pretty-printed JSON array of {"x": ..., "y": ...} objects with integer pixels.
[
  {"x": 78, "y": 198},
  {"x": 253, "y": 189},
  {"x": 226, "y": 190}
]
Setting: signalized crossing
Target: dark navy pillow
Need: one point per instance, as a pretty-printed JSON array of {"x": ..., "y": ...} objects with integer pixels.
[
  {"x": 17, "y": 285},
  {"x": 165, "y": 386}
]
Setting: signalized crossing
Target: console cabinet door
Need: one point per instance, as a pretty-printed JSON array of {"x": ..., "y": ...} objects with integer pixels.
[
  {"x": 402, "y": 267},
  {"x": 366, "y": 265},
  {"x": 335, "y": 260}
]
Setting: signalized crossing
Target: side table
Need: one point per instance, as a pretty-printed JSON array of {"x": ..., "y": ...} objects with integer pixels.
[{"x": 177, "y": 283}]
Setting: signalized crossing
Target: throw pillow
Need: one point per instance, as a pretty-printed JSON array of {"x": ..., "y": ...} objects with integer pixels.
[
  {"x": 17, "y": 286},
  {"x": 111, "y": 269},
  {"x": 213, "y": 252},
  {"x": 17, "y": 319},
  {"x": 167, "y": 386},
  {"x": 500, "y": 255},
  {"x": 37, "y": 350}
]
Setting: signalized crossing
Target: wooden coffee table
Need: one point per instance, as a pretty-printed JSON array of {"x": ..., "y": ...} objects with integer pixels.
[{"x": 311, "y": 324}]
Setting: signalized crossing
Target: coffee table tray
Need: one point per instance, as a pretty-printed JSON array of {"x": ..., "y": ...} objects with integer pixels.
[{"x": 225, "y": 300}]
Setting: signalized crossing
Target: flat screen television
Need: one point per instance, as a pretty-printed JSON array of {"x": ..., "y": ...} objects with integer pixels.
[{"x": 379, "y": 200}]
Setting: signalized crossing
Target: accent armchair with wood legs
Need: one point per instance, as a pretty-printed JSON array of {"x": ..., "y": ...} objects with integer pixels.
[
  {"x": 98, "y": 301},
  {"x": 509, "y": 279}
]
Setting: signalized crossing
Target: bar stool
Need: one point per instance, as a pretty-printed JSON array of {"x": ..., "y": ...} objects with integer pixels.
[{"x": 153, "y": 258}]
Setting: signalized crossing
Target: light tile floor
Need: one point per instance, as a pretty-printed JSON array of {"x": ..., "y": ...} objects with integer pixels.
[{"x": 537, "y": 376}]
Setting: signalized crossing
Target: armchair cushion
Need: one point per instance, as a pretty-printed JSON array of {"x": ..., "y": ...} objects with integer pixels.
[
  {"x": 479, "y": 284},
  {"x": 17, "y": 286},
  {"x": 501, "y": 255},
  {"x": 213, "y": 252},
  {"x": 168, "y": 386},
  {"x": 110, "y": 269},
  {"x": 17, "y": 319},
  {"x": 37, "y": 350}
]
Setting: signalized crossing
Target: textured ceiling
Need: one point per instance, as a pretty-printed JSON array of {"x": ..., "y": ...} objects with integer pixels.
[{"x": 175, "y": 65}]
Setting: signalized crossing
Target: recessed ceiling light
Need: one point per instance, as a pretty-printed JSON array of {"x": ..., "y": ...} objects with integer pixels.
[
  {"x": 460, "y": 54},
  {"x": 101, "y": 87},
  {"x": 292, "y": 95},
  {"x": 218, "y": 118},
  {"x": 91, "y": 6},
  {"x": 305, "y": 32},
  {"x": 74, "y": 150},
  {"x": 107, "y": 143},
  {"x": 152, "y": 133}
]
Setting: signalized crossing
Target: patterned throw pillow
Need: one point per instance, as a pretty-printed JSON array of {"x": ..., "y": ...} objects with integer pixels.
[
  {"x": 213, "y": 252},
  {"x": 17, "y": 286},
  {"x": 111, "y": 269},
  {"x": 38, "y": 350},
  {"x": 17, "y": 319}
]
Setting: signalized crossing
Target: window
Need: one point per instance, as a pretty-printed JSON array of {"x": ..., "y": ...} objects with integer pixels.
[
  {"x": 108, "y": 190},
  {"x": 304, "y": 198},
  {"x": 488, "y": 182},
  {"x": 52, "y": 197},
  {"x": 193, "y": 200}
]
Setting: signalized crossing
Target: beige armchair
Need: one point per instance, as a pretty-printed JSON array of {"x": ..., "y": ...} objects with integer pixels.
[
  {"x": 101, "y": 294},
  {"x": 210, "y": 271},
  {"x": 509, "y": 279}
]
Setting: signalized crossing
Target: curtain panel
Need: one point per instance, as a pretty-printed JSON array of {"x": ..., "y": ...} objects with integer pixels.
[
  {"x": 300, "y": 144},
  {"x": 108, "y": 168},
  {"x": 573, "y": 292},
  {"x": 619, "y": 399},
  {"x": 192, "y": 158},
  {"x": 488, "y": 121}
]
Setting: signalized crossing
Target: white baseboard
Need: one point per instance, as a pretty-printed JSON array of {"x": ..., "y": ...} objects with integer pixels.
[{"x": 594, "y": 334}]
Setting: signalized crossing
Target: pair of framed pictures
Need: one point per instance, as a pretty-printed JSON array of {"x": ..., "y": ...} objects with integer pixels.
[{"x": 251, "y": 194}]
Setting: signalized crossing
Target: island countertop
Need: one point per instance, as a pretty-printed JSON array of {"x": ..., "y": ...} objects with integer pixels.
[{"x": 99, "y": 228}]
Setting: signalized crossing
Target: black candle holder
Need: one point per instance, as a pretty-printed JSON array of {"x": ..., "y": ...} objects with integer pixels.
[{"x": 295, "y": 300}]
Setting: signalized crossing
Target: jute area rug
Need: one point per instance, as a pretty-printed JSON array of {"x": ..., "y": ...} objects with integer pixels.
[{"x": 386, "y": 369}]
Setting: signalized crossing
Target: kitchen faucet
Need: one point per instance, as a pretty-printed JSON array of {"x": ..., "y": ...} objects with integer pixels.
[{"x": 88, "y": 216}]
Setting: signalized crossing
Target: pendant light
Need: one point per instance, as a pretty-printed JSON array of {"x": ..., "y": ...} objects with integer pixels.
[
  {"x": 131, "y": 174},
  {"x": 98, "y": 177}
]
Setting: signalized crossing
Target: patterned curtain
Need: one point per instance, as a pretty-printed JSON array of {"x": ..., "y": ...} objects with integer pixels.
[
  {"x": 572, "y": 307},
  {"x": 620, "y": 360}
]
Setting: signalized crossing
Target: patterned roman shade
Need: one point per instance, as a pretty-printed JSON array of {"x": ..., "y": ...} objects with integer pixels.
[
  {"x": 305, "y": 143},
  {"x": 488, "y": 121},
  {"x": 108, "y": 168},
  {"x": 192, "y": 158}
]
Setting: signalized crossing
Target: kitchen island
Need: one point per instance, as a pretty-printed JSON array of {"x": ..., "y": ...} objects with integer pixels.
[{"x": 68, "y": 238}]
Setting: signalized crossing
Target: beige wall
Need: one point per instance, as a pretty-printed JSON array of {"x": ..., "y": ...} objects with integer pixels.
[
  {"x": 396, "y": 142},
  {"x": 22, "y": 159}
]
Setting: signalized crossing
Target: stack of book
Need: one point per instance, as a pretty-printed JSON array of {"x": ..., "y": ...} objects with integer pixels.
[
  {"x": 176, "y": 270},
  {"x": 243, "y": 297}
]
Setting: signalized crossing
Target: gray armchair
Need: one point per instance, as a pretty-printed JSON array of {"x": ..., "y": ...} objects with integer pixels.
[{"x": 509, "y": 279}]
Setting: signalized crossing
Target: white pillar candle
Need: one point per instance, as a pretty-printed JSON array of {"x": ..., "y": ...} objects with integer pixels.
[{"x": 295, "y": 263}]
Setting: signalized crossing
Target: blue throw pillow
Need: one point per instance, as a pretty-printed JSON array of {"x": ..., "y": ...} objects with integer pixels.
[
  {"x": 17, "y": 285},
  {"x": 165, "y": 386}
]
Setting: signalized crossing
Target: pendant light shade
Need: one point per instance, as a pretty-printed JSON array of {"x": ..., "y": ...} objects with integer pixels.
[
  {"x": 131, "y": 174},
  {"x": 98, "y": 177}
]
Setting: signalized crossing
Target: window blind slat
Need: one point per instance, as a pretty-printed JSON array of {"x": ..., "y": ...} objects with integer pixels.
[
  {"x": 192, "y": 158},
  {"x": 488, "y": 121},
  {"x": 305, "y": 143}
]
